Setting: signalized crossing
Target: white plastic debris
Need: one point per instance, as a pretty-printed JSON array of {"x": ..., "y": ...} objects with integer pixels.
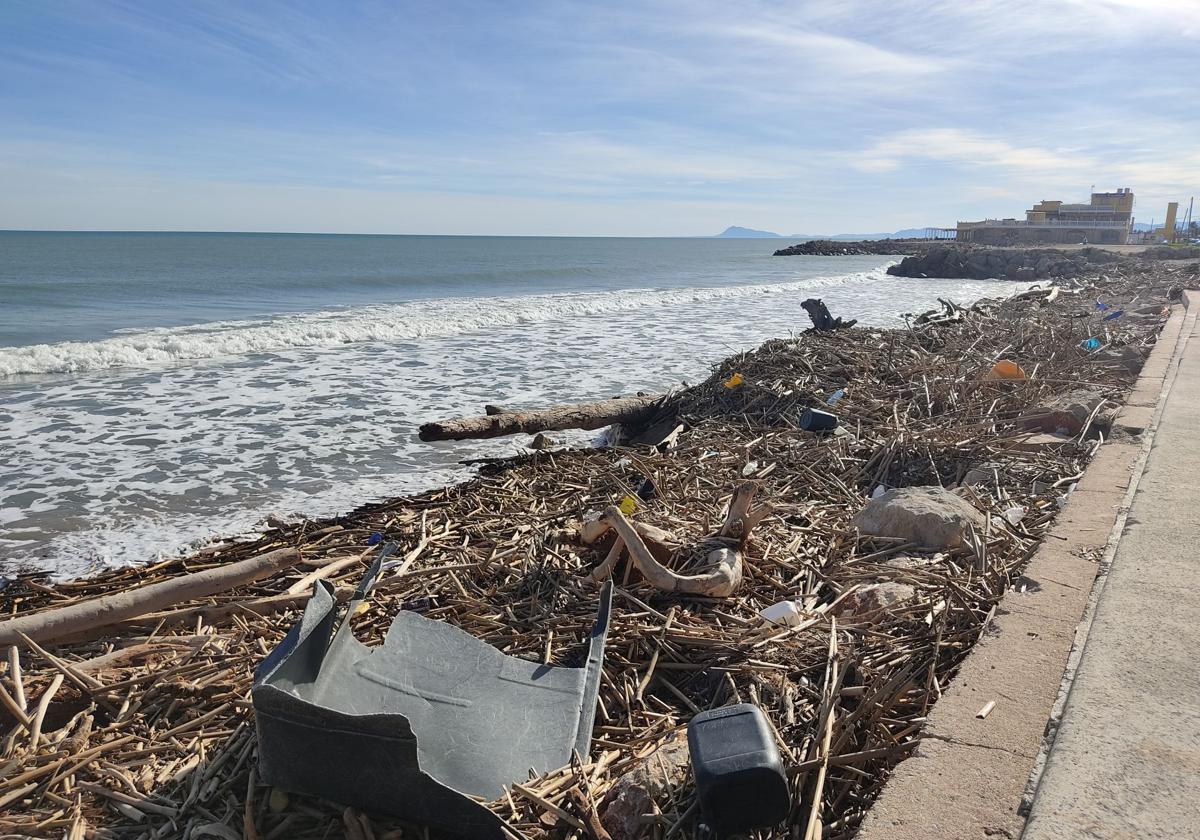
[
  {"x": 878, "y": 491},
  {"x": 1014, "y": 515},
  {"x": 750, "y": 469},
  {"x": 785, "y": 612}
]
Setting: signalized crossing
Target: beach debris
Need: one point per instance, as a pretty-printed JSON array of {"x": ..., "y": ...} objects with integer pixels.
[
  {"x": 341, "y": 720},
  {"x": 1092, "y": 343},
  {"x": 95, "y": 614},
  {"x": 835, "y": 396},
  {"x": 503, "y": 558},
  {"x": 817, "y": 421},
  {"x": 646, "y": 490},
  {"x": 931, "y": 517},
  {"x": 716, "y": 560},
  {"x": 783, "y": 612},
  {"x": 822, "y": 320},
  {"x": 741, "y": 784},
  {"x": 1013, "y": 515},
  {"x": 733, "y": 381},
  {"x": 588, "y": 416},
  {"x": 1006, "y": 369}
]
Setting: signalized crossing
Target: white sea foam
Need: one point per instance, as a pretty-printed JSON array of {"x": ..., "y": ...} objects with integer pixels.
[
  {"x": 378, "y": 323},
  {"x": 110, "y": 467}
]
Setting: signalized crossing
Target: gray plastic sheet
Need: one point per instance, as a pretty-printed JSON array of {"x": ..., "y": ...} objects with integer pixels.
[{"x": 418, "y": 726}]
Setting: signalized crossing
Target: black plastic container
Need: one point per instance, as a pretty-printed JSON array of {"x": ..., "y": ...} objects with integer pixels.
[
  {"x": 740, "y": 779},
  {"x": 815, "y": 420}
]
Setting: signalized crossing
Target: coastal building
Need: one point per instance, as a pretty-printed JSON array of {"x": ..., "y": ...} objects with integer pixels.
[{"x": 1106, "y": 219}]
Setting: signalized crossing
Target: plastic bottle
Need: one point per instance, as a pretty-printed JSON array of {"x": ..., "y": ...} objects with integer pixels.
[{"x": 835, "y": 396}]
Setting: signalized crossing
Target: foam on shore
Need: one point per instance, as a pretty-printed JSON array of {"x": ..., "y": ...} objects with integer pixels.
[{"x": 381, "y": 323}]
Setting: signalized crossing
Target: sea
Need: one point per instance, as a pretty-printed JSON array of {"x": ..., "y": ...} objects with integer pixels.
[{"x": 162, "y": 390}]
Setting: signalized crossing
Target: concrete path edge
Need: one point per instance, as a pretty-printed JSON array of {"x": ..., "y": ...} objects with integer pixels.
[{"x": 972, "y": 777}]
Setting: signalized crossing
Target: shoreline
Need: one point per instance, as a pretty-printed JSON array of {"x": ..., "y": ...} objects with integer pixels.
[
  {"x": 507, "y": 541},
  {"x": 317, "y": 413}
]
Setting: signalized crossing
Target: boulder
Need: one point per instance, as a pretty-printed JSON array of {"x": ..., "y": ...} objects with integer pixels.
[
  {"x": 1129, "y": 359},
  {"x": 931, "y": 517},
  {"x": 871, "y": 601},
  {"x": 1067, "y": 413},
  {"x": 633, "y": 794}
]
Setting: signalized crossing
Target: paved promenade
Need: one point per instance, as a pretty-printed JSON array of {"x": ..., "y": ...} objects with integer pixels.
[{"x": 1126, "y": 760}]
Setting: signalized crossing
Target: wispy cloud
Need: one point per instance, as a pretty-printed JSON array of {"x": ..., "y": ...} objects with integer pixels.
[
  {"x": 789, "y": 116},
  {"x": 958, "y": 146}
]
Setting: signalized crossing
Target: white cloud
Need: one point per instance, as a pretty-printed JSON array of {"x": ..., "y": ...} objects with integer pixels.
[{"x": 959, "y": 146}]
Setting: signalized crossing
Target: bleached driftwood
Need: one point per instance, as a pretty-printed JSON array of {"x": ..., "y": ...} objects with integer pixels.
[
  {"x": 597, "y": 415},
  {"x": 72, "y": 619},
  {"x": 721, "y": 573}
]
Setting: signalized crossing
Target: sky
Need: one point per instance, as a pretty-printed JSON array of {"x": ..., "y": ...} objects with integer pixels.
[{"x": 589, "y": 118}]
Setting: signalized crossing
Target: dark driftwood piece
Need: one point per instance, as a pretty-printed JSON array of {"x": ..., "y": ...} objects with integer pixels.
[
  {"x": 597, "y": 415},
  {"x": 822, "y": 320}
]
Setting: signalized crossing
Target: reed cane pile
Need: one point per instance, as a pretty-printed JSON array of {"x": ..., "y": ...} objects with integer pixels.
[{"x": 145, "y": 729}]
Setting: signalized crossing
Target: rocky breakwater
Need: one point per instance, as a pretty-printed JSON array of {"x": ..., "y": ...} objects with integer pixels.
[
  {"x": 956, "y": 261},
  {"x": 832, "y": 248}
]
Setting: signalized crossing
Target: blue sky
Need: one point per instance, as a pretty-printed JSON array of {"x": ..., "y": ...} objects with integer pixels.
[{"x": 589, "y": 118}]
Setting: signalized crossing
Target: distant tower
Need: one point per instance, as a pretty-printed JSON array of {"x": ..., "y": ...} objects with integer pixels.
[{"x": 1169, "y": 224}]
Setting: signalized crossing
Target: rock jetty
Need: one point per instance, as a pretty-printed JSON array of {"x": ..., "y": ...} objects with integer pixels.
[
  {"x": 831, "y": 248},
  {"x": 999, "y": 263}
]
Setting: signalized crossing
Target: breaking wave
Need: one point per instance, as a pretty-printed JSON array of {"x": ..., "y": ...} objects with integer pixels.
[{"x": 374, "y": 323}]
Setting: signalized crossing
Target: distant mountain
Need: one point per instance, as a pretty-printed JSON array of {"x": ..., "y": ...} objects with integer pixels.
[{"x": 734, "y": 232}]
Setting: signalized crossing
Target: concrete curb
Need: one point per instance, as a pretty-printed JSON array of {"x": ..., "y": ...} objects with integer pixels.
[{"x": 968, "y": 777}]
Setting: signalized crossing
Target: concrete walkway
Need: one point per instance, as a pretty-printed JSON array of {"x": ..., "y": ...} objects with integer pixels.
[{"x": 1126, "y": 760}]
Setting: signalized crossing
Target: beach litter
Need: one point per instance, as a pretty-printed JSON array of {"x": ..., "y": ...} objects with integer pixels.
[
  {"x": 140, "y": 724},
  {"x": 741, "y": 783},
  {"x": 425, "y": 726}
]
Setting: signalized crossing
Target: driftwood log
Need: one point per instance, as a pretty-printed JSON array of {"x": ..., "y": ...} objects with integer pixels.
[
  {"x": 822, "y": 320},
  {"x": 48, "y": 625},
  {"x": 597, "y": 415}
]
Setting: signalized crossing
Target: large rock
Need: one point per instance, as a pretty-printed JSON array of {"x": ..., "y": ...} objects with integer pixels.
[
  {"x": 873, "y": 600},
  {"x": 634, "y": 794},
  {"x": 1067, "y": 413},
  {"x": 980, "y": 263},
  {"x": 931, "y": 517}
]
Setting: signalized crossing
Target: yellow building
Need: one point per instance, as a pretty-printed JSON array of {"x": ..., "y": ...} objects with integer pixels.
[{"x": 1106, "y": 219}]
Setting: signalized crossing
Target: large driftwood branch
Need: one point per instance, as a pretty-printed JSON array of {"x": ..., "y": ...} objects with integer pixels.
[
  {"x": 723, "y": 550},
  {"x": 721, "y": 581},
  {"x": 48, "y": 625},
  {"x": 597, "y": 415}
]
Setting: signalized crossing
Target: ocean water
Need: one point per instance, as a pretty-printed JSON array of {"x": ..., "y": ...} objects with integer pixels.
[{"x": 159, "y": 390}]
